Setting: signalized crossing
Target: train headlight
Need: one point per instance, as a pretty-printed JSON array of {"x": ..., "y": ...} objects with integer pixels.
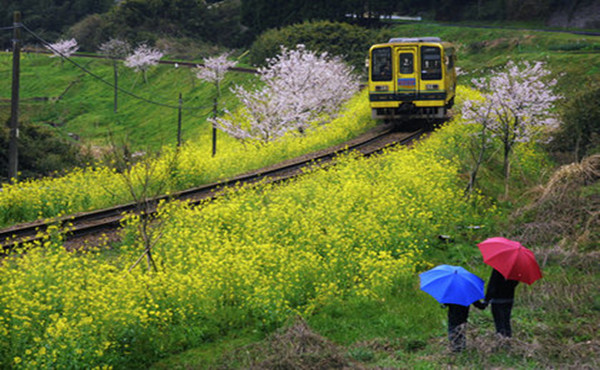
[
  {"x": 432, "y": 87},
  {"x": 382, "y": 88}
]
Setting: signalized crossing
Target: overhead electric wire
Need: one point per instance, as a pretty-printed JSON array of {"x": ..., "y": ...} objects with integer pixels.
[
  {"x": 7, "y": 28},
  {"x": 49, "y": 46}
]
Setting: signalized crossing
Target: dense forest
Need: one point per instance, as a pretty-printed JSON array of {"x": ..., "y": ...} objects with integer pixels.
[{"x": 234, "y": 23}]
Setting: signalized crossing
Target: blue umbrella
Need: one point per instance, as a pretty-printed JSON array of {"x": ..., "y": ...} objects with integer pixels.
[{"x": 452, "y": 284}]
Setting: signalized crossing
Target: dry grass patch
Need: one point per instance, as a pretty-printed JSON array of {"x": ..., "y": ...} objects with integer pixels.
[
  {"x": 294, "y": 347},
  {"x": 566, "y": 212}
]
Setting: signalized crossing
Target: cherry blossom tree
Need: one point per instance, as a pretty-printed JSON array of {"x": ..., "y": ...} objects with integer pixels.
[
  {"x": 213, "y": 71},
  {"x": 115, "y": 49},
  {"x": 63, "y": 48},
  {"x": 301, "y": 90},
  {"x": 517, "y": 106},
  {"x": 142, "y": 58}
]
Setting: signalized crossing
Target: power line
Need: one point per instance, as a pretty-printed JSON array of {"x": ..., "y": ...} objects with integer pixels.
[
  {"x": 49, "y": 46},
  {"x": 6, "y": 28}
]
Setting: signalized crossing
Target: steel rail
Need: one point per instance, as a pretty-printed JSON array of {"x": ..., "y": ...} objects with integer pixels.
[{"x": 93, "y": 222}]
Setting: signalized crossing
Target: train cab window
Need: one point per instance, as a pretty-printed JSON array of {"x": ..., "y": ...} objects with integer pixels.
[
  {"x": 406, "y": 64},
  {"x": 431, "y": 63},
  {"x": 381, "y": 64}
]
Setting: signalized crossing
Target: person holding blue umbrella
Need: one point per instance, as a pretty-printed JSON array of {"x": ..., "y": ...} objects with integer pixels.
[{"x": 455, "y": 288}]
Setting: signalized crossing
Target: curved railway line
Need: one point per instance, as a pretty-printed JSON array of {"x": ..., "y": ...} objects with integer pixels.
[{"x": 88, "y": 224}]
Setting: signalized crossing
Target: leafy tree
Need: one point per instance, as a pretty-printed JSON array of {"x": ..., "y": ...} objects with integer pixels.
[
  {"x": 580, "y": 131},
  {"x": 90, "y": 32},
  {"x": 335, "y": 38},
  {"x": 517, "y": 107},
  {"x": 41, "y": 151},
  {"x": 49, "y": 18}
]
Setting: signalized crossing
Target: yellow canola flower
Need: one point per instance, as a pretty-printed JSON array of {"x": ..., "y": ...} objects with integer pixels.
[{"x": 251, "y": 259}]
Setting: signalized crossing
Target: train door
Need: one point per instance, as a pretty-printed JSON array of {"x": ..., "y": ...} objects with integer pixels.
[{"x": 406, "y": 79}]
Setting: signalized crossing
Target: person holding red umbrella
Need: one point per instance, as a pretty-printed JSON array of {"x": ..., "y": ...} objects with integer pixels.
[
  {"x": 511, "y": 264},
  {"x": 501, "y": 294}
]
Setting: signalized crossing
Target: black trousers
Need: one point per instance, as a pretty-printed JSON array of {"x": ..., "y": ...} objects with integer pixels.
[
  {"x": 501, "y": 313},
  {"x": 457, "y": 326}
]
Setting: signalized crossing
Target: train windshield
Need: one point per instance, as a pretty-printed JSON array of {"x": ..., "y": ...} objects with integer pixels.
[
  {"x": 431, "y": 63},
  {"x": 406, "y": 63},
  {"x": 381, "y": 64}
]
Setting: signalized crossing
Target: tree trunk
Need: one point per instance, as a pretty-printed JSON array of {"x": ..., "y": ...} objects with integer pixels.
[{"x": 507, "y": 150}]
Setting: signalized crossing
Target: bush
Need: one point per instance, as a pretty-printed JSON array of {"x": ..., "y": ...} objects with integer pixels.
[
  {"x": 340, "y": 39},
  {"x": 41, "y": 151},
  {"x": 90, "y": 32},
  {"x": 579, "y": 133}
]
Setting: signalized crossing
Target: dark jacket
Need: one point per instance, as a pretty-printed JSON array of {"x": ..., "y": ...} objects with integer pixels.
[{"x": 499, "y": 289}]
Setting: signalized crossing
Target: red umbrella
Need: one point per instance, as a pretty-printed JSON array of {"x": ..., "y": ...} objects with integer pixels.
[{"x": 511, "y": 259}]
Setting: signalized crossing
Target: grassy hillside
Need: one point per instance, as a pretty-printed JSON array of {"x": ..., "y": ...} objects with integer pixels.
[
  {"x": 575, "y": 59},
  {"x": 554, "y": 320},
  {"x": 340, "y": 247},
  {"x": 80, "y": 104}
]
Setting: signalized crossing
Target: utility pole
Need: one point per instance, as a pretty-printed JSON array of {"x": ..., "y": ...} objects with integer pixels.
[
  {"x": 13, "y": 152},
  {"x": 215, "y": 113},
  {"x": 214, "y": 128},
  {"x": 179, "y": 121}
]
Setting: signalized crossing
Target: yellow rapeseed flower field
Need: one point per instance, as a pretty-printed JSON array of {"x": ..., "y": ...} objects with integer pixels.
[
  {"x": 99, "y": 186},
  {"x": 251, "y": 259}
]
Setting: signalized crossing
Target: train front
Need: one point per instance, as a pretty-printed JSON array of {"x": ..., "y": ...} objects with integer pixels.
[{"x": 411, "y": 78}]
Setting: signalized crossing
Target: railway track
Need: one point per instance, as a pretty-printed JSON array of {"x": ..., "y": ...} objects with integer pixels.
[{"x": 86, "y": 224}]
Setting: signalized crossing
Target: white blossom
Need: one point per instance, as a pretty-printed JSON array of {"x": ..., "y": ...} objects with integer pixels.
[
  {"x": 520, "y": 100},
  {"x": 301, "y": 90},
  {"x": 63, "y": 48},
  {"x": 517, "y": 106},
  {"x": 143, "y": 57},
  {"x": 115, "y": 49},
  {"x": 214, "y": 68}
]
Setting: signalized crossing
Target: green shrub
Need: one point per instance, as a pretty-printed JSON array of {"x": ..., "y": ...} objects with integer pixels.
[
  {"x": 41, "y": 151},
  {"x": 340, "y": 39},
  {"x": 580, "y": 131}
]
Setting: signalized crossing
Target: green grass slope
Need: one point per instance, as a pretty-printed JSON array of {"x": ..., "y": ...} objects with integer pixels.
[
  {"x": 78, "y": 102},
  {"x": 575, "y": 59}
]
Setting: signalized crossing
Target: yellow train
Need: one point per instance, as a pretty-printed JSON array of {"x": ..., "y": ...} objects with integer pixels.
[{"x": 412, "y": 78}]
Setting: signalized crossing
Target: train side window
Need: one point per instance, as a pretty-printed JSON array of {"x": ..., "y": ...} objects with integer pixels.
[
  {"x": 381, "y": 68},
  {"x": 431, "y": 63},
  {"x": 406, "y": 64}
]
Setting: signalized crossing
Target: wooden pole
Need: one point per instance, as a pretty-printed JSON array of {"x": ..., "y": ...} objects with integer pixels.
[
  {"x": 215, "y": 113},
  {"x": 116, "y": 79},
  {"x": 179, "y": 121},
  {"x": 214, "y": 129},
  {"x": 13, "y": 152}
]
